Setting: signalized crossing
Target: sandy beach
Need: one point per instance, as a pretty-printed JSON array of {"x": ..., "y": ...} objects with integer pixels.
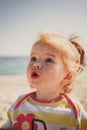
[{"x": 13, "y": 86}]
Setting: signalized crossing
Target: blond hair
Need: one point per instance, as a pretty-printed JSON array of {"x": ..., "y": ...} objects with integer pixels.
[
  {"x": 81, "y": 52},
  {"x": 71, "y": 51}
]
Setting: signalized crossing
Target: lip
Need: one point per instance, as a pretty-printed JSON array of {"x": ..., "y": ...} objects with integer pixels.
[{"x": 34, "y": 74}]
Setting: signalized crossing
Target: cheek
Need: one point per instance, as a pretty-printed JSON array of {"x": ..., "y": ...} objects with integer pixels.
[
  {"x": 49, "y": 72},
  {"x": 57, "y": 73},
  {"x": 29, "y": 67},
  {"x": 28, "y": 70}
]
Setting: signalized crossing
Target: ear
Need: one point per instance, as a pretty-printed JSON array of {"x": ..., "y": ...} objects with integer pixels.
[{"x": 69, "y": 77}]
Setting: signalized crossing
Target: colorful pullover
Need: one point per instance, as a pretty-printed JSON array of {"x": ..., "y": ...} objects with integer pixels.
[{"x": 27, "y": 113}]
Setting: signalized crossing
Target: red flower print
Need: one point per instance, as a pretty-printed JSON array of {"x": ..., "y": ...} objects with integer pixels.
[{"x": 24, "y": 122}]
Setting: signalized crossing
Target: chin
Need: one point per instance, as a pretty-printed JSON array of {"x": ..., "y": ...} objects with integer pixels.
[{"x": 34, "y": 85}]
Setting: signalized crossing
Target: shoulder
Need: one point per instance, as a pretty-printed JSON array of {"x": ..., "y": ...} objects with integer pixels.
[
  {"x": 81, "y": 111},
  {"x": 20, "y": 100},
  {"x": 77, "y": 103}
]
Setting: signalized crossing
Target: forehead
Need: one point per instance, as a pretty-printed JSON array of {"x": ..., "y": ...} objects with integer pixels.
[
  {"x": 47, "y": 47},
  {"x": 38, "y": 47}
]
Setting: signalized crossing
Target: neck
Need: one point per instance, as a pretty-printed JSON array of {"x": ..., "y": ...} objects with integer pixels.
[{"x": 47, "y": 96}]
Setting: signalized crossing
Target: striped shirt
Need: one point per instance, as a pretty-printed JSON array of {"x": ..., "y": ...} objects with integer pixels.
[{"x": 27, "y": 113}]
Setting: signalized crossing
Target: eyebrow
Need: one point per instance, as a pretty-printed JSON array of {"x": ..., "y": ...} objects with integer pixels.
[{"x": 48, "y": 54}]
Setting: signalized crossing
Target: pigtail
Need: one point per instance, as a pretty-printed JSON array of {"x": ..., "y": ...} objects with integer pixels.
[{"x": 81, "y": 62}]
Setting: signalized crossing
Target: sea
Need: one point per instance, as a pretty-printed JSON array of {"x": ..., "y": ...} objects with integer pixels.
[{"x": 13, "y": 65}]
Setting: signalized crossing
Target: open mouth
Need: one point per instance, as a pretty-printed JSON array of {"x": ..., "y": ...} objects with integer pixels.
[{"x": 34, "y": 75}]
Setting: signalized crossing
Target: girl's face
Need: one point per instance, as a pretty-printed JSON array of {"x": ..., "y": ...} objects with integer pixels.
[{"x": 46, "y": 69}]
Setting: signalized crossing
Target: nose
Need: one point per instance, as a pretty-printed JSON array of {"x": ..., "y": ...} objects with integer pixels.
[{"x": 37, "y": 66}]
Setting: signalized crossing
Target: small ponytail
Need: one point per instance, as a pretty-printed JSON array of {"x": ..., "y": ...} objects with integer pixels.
[{"x": 81, "y": 52}]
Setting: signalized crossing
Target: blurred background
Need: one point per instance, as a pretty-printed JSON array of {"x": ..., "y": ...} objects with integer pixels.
[{"x": 20, "y": 23}]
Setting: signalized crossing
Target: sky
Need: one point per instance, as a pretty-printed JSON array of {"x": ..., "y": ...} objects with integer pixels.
[{"x": 22, "y": 20}]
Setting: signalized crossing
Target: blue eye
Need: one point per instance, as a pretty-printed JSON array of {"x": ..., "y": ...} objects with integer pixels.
[
  {"x": 33, "y": 59},
  {"x": 49, "y": 60}
]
